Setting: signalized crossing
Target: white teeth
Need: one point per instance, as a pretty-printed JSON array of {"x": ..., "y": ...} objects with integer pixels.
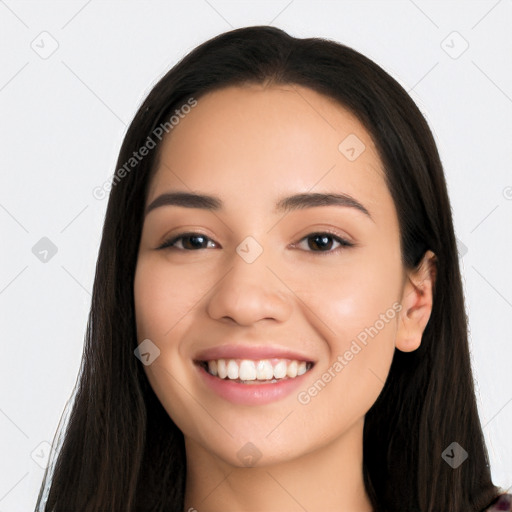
[
  {"x": 232, "y": 370},
  {"x": 222, "y": 371},
  {"x": 248, "y": 370},
  {"x": 264, "y": 370},
  {"x": 212, "y": 367},
  {"x": 291, "y": 371},
  {"x": 280, "y": 370}
]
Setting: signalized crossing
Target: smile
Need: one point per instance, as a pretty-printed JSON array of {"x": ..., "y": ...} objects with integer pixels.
[{"x": 259, "y": 371}]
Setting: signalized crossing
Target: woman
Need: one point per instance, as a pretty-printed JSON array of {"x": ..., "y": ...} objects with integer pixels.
[{"x": 278, "y": 319}]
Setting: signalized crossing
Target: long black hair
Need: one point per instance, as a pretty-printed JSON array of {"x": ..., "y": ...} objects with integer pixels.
[{"x": 121, "y": 450}]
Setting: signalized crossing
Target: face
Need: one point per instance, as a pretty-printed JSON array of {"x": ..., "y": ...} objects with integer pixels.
[{"x": 270, "y": 290}]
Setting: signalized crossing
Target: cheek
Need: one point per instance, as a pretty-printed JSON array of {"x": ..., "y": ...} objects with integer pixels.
[
  {"x": 162, "y": 302},
  {"x": 353, "y": 296},
  {"x": 162, "y": 296},
  {"x": 358, "y": 306}
]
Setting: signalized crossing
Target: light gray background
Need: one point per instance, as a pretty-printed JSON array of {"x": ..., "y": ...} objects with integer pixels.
[{"x": 63, "y": 118}]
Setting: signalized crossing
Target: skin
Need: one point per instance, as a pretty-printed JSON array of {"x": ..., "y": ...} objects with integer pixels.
[{"x": 250, "y": 146}]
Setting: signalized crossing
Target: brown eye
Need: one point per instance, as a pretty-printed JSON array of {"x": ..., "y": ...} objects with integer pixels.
[
  {"x": 189, "y": 242},
  {"x": 323, "y": 242}
]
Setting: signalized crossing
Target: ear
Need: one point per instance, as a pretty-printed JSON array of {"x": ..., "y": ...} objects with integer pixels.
[{"x": 416, "y": 303}]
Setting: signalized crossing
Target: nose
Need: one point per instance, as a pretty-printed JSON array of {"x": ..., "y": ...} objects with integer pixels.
[{"x": 250, "y": 292}]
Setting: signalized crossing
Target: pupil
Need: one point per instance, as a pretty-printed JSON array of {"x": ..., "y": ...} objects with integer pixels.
[
  {"x": 195, "y": 237},
  {"x": 324, "y": 240}
]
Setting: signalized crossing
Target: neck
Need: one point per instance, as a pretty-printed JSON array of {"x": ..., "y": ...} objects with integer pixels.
[{"x": 328, "y": 478}]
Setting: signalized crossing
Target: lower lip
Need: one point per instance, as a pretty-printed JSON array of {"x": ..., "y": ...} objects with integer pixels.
[{"x": 251, "y": 394}]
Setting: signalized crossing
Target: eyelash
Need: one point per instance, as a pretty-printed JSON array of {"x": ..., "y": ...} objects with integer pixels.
[{"x": 344, "y": 244}]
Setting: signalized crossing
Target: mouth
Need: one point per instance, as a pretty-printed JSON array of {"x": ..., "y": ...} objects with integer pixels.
[
  {"x": 252, "y": 374},
  {"x": 255, "y": 371}
]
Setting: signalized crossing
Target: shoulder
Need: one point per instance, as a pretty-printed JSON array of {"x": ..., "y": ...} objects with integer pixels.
[{"x": 503, "y": 503}]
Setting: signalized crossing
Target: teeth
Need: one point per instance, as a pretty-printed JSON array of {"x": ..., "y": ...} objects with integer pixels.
[
  {"x": 264, "y": 370},
  {"x": 212, "y": 367},
  {"x": 222, "y": 371},
  {"x": 280, "y": 370},
  {"x": 292, "y": 369},
  {"x": 232, "y": 370},
  {"x": 247, "y": 370}
]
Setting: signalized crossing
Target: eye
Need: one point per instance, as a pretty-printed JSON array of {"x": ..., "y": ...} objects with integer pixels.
[
  {"x": 189, "y": 242},
  {"x": 194, "y": 241},
  {"x": 324, "y": 241}
]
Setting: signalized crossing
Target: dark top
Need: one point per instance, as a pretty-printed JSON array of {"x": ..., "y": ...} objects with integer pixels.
[{"x": 503, "y": 504}]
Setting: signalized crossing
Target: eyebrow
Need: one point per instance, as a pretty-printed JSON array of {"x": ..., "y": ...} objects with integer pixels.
[{"x": 283, "y": 205}]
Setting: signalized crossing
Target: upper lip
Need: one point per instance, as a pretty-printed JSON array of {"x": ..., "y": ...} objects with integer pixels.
[{"x": 254, "y": 352}]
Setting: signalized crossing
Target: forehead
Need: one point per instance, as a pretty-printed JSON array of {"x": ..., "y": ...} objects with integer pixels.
[{"x": 269, "y": 141}]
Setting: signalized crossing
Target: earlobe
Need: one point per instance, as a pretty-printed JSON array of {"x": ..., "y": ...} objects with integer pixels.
[{"x": 416, "y": 303}]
